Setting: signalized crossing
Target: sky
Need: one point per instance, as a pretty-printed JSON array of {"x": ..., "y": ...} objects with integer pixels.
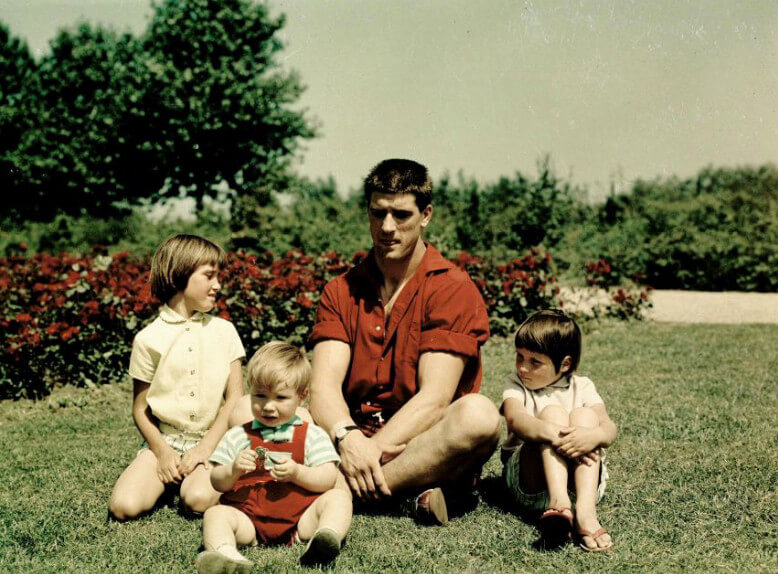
[{"x": 612, "y": 90}]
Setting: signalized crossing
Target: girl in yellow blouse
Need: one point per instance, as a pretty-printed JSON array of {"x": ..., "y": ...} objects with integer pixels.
[{"x": 182, "y": 365}]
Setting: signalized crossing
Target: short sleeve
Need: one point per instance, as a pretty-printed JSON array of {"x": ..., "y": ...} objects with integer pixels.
[
  {"x": 233, "y": 441},
  {"x": 587, "y": 393},
  {"x": 512, "y": 389},
  {"x": 318, "y": 447},
  {"x": 455, "y": 318},
  {"x": 236, "y": 350},
  {"x": 143, "y": 360},
  {"x": 330, "y": 323}
]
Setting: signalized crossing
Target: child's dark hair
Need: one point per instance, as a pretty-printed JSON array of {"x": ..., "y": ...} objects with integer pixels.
[{"x": 553, "y": 333}]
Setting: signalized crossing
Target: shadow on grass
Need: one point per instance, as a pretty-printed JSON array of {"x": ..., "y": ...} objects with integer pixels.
[{"x": 494, "y": 493}]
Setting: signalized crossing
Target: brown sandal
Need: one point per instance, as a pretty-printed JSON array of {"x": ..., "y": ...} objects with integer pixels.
[
  {"x": 556, "y": 524},
  {"x": 594, "y": 536}
]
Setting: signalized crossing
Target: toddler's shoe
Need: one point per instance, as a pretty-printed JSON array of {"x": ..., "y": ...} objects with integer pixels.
[
  {"x": 322, "y": 548},
  {"x": 213, "y": 562}
]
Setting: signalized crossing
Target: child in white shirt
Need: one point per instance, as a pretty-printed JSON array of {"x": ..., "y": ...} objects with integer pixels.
[
  {"x": 557, "y": 431},
  {"x": 186, "y": 371}
]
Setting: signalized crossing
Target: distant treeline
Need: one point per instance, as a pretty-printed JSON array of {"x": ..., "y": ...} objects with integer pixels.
[{"x": 715, "y": 231}]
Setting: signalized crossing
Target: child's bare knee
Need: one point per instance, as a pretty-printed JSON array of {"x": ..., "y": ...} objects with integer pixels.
[
  {"x": 124, "y": 508},
  {"x": 584, "y": 417},
  {"x": 198, "y": 499},
  {"x": 554, "y": 414}
]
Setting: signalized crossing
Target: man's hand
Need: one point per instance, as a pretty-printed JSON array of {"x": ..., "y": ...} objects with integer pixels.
[
  {"x": 197, "y": 455},
  {"x": 285, "y": 471},
  {"x": 246, "y": 461},
  {"x": 360, "y": 461},
  {"x": 168, "y": 462},
  {"x": 575, "y": 442}
]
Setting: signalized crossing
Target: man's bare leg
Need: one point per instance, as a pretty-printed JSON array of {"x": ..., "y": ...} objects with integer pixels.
[{"x": 462, "y": 440}]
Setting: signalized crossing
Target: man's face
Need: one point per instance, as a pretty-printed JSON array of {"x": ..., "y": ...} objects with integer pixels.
[{"x": 396, "y": 224}]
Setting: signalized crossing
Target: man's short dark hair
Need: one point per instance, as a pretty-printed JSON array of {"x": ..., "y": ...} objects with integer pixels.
[
  {"x": 552, "y": 333},
  {"x": 400, "y": 176}
]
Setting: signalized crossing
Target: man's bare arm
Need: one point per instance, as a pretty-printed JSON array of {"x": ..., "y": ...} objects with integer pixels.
[
  {"x": 330, "y": 364},
  {"x": 439, "y": 375}
]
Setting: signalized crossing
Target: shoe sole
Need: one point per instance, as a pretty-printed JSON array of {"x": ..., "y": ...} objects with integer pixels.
[
  {"x": 438, "y": 508},
  {"x": 323, "y": 548},
  {"x": 212, "y": 562}
]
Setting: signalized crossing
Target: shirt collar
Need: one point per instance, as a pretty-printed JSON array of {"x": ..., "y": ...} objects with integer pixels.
[
  {"x": 431, "y": 262},
  {"x": 295, "y": 421},
  {"x": 169, "y": 316},
  {"x": 562, "y": 383}
]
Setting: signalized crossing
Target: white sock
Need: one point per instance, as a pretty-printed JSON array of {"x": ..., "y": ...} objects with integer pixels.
[{"x": 230, "y": 551}]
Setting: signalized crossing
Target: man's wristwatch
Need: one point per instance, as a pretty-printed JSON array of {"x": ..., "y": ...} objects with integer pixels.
[{"x": 341, "y": 433}]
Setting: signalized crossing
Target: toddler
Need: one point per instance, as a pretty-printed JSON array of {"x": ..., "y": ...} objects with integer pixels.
[
  {"x": 273, "y": 471},
  {"x": 183, "y": 365},
  {"x": 557, "y": 430}
]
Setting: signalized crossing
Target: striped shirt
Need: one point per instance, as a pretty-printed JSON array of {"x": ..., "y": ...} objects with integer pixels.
[{"x": 318, "y": 447}]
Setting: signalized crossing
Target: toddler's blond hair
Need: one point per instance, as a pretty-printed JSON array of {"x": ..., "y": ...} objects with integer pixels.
[{"x": 279, "y": 363}]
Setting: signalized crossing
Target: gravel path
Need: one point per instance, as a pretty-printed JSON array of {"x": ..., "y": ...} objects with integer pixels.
[{"x": 706, "y": 307}]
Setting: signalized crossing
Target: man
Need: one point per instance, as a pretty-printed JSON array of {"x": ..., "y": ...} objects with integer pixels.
[{"x": 396, "y": 357}]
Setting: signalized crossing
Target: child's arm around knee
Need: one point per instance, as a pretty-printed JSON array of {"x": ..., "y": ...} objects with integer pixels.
[
  {"x": 526, "y": 427},
  {"x": 578, "y": 441}
]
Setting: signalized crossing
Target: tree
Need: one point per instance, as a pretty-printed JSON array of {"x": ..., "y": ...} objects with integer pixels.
[
  {"x": 220, "y": 106},
  {"x": 16, "y": 66},
  {"x": 73, "y": 155}
]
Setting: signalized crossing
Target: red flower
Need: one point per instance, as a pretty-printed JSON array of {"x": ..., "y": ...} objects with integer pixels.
[{"x": 24, "y": 317}]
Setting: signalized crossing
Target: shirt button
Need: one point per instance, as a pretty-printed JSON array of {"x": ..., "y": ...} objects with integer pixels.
[
  {"x": 378, "y": 327},
  {"x": 368, "y": 403},
  {"x": 191, "y": 394}
]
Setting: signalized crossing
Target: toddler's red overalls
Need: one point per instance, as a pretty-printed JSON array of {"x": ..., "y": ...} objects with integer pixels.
[{"x": 273, "y": 507}]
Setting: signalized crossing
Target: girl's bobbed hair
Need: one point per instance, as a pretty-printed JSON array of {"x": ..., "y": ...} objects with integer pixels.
[
  {"x": 175, "y": 261},
  {"x": 553, "y": 333}
]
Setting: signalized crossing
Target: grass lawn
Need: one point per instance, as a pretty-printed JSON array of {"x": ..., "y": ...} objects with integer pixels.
[{"x": 693, "y": 474}]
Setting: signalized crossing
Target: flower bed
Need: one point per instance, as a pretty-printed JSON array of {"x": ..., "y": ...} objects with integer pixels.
[{"x": 71, "y": 319}]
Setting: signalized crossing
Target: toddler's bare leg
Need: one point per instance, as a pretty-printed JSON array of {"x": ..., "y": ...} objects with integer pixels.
[
  {"x": 586, "y": 480},
  {"x": 137, "y": 489},
  {"x": 331, "y": 510},
  {"x": 225, "y": 527},
  {"x": 197, "y": 494},
  {"x": 554, "y": 464}
]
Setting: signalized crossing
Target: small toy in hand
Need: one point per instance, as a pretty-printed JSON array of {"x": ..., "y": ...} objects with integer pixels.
[{"x": 261, "y": 454}]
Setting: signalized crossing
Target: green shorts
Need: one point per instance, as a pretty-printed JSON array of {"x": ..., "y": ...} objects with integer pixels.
[{"x": 537, "y": 501}]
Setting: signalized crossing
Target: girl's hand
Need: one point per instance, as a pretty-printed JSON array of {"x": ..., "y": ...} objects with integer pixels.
[
  {"x": 285, "y": 471},
  {"x": 197, "y": 455},
  {"x": 575, "y": 442},
  {"x": 168, "y": 462},
  {"x": 246, "y": 461}
]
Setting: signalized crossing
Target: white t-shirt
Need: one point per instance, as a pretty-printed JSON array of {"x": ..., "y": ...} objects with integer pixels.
[{"x": 187, "y": 363}]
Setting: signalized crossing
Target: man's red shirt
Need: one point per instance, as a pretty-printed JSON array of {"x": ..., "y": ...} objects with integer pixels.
[{"x": 439, "y": 309}]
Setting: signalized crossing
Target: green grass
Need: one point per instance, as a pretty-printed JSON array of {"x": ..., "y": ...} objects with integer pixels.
[{"x": 693, "y": 474}]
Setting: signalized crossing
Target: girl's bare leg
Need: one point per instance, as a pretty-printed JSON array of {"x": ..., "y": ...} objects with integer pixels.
[
  {"x": 137, "y": 489},
  {"x": 554, "y": 464},
  {"x": 586, "y": 480},
  {"x": 197, "y": 494}
]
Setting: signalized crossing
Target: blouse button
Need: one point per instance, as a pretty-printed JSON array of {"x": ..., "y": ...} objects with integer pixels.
[
  {"x": 186, "y": 329},
  {"x": 191, "y": 394},
  {"x": 191, "y": 417},
  {"x": 192, "y": 372},
  {"x": 190, "y": 349}
]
